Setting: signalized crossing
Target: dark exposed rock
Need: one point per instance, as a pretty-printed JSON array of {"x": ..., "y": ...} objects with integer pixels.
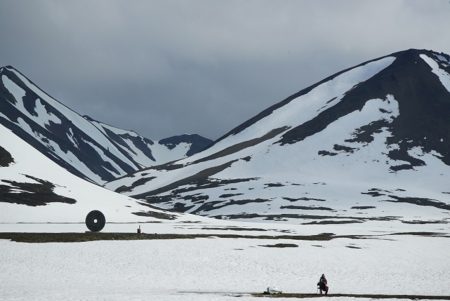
[
  {"x": 198, "y": 143},
  {"x": 196, "y": 198},
  {"x": 363, "y": 207},
  {"x": 31, "y": 194},
  {"x": 343, "y": 148},
  {"x": 211, "y": 183},
  {"x": 180, "y": 207},
  {"x": 155, "y": 214},
  {"x": 326, "y": 153},
  {"x": 242, "y": 145},
  {"x": 158, "y": 199},
  {"x": 158, "y": 215},
  {"x": 420, "y": 222},
  {"x": 306, "y": 207},
  {"x": 401, "y": 167},
  {"x": 5, "y": 158},
  {"x": 206, "y": 207},
  {"x": 419, "y": 202},
  {"x": 214, "y": 205},
  {"x": 233, "y": 228},
  {"x": 81, "y": 237},
  {"x": 333, "y": 222},
  {"x": 139, "y": 182},
  {"x": 229, "y": 195},
  {"x": 365, "y": 134},
  {"x": 353, "y": 247},
  {"x": 401, "y": 154},
  {"x": 281, "y": 245},
  {"x": 303, "y": 199},
  {"x": 375, "y": 192},
  {"x": 273, "y": 185}
]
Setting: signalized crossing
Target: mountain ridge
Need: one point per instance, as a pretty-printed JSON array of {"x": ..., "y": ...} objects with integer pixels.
[{"x": 82, "y": 145}]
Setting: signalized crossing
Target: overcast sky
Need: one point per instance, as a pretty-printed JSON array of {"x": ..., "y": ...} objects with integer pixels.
[{"x": 165, "y": 67}]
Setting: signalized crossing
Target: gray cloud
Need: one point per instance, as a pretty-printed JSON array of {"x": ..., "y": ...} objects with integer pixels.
[{"x": 170, "y": 67}]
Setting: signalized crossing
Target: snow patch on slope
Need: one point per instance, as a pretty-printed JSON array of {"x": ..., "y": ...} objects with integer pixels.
[
  {"x": 444, "y": 77},
  {"x": 41, "y": 116},
  {"x": 163, "y": 154}
]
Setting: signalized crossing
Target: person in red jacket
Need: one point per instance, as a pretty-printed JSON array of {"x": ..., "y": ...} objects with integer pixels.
[{"x": 322, "y": 285}]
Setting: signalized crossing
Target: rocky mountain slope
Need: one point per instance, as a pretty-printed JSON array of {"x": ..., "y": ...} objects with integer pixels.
[
  {"x": 85, "y": 147},
  {"x": 369, "y": 143}
]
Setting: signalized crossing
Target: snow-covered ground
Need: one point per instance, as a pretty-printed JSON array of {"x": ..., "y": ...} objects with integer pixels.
[
  {"x": 221, "y": 269},
  {"x": 381, "y": 257}
]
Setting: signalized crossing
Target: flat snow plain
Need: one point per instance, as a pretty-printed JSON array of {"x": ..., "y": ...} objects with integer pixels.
[{"x": 225, "y": 268}]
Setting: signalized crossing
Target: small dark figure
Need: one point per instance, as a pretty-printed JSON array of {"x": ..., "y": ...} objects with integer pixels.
[
  {"x": 139, "y": 230},
  {"x": 322, "y": 285}
]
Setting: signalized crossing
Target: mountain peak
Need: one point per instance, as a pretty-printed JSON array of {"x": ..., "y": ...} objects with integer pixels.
[
  {"x": 413, "y": 55},
  {"x": 7, "y": 67},
  {"x": 415, "y": 52}
]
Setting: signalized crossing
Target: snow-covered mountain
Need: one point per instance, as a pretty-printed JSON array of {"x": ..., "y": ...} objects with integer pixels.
[
  {"x": 371, "y": 142},
  {"x": 34, "y": 189},
  {"x": 147, "y": 152},
  {"x": 85, "y": 147}
]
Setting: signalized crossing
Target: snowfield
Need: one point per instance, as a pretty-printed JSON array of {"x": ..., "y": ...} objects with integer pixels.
[
  {"x": 384, "y": 257},
  {"x": 221, "y": 269}
]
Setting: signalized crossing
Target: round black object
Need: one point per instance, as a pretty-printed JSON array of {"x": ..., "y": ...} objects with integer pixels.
[{"x": 95, "y": 221}]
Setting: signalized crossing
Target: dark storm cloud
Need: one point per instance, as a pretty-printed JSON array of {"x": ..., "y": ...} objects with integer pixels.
[{"x": 169, "y": 67}]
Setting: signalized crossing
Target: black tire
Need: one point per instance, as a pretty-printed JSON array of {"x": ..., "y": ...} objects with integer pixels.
[{"x": 95, "y": 221}]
